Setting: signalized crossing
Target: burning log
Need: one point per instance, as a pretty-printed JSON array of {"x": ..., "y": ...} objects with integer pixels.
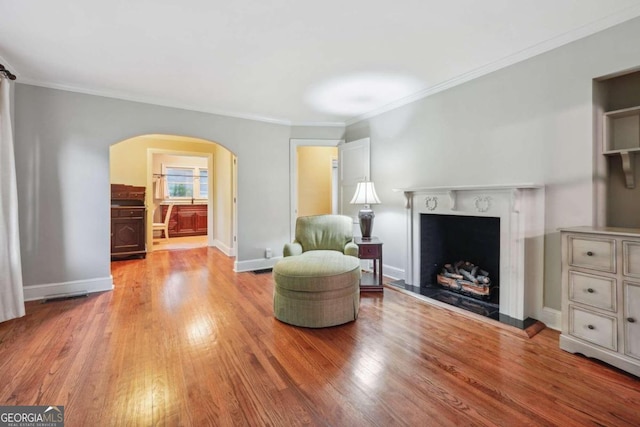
[{"x": 465, "y": 277}]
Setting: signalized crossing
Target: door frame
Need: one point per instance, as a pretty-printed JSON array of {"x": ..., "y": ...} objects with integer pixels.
[
  {"x": 293, "y": 172},
  {"x": 210, "y": 199},
  {"x": 234, "y": 205}
]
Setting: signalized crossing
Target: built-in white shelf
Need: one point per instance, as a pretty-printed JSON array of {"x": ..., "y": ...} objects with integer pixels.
[
  {"x": 621, "y": 137},
  {"x": 628, "y": 161},
  {"x": 621, "y": 130}
]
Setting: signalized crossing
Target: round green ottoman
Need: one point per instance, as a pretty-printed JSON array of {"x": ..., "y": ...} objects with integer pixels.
[{"x": 317, "y": 289}]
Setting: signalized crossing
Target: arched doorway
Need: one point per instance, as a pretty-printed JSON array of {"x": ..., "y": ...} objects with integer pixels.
[{"x": 141, "y": 160}]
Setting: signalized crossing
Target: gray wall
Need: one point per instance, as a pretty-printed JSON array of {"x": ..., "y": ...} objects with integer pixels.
[
  {"x": 62, "y": 155},
  {"x": 529, "y": 123}
]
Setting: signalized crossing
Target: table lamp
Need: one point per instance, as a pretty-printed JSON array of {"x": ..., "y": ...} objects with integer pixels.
[{"x": 365, "y": 195}]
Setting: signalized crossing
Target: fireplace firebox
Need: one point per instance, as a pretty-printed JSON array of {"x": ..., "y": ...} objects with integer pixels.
[{"x": 446, "y": 239}]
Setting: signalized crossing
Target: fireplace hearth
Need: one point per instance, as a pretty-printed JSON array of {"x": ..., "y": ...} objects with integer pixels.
[{"x": 478, "y": 306}]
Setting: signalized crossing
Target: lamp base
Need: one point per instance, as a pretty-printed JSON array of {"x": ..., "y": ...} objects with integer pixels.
[{"x": 366, "y": 222}]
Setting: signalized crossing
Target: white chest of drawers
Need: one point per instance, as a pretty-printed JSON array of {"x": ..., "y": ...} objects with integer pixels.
[{"x": 601, "y": 295}]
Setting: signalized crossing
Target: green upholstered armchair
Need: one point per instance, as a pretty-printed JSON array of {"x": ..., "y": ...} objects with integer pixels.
[
  {"x": 317, "y": 282},
  {"x": 323, "y": 232}
]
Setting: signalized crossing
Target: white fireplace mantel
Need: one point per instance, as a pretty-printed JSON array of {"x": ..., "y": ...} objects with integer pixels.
[
  {"x": 470, "y": 187},
  {"x": 520, "y": 208},
  {"x": 452, "y": 191}
]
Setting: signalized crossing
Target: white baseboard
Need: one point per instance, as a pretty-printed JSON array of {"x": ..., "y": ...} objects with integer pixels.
[
  {"x": 387, "y": 270},
  {"x": 255, "y": 264},
  {"x": 37, "y": 292},
  {"x": 393, "y": 272},
  {"x": 228, "y": 251},
  {"x": 551, "y": 317},
  {"x": 261, "y": 264}
]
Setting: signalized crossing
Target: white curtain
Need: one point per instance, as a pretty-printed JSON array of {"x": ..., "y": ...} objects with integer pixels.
[
  {"x": 11, "y": 292},
  {"x": 160, "y": 190}
]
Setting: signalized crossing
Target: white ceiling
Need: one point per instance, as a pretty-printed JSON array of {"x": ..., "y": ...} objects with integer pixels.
[{"x": 284, "y": 61}]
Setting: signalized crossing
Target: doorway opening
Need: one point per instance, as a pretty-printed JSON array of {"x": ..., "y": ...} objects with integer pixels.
[
  {"x": 317, "y": 181},
  {"x": 181, "y": 199},
  {"x": 197, "y": 177},
  {"x": 314, "y": 181},
  {"x": 349, "y": 165}
]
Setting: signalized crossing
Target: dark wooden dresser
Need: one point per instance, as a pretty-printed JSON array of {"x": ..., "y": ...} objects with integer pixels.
[{"x": 128, "y": 221}]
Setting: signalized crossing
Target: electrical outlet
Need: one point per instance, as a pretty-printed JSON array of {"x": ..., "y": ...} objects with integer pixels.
[{"x": 267, "y": 253}]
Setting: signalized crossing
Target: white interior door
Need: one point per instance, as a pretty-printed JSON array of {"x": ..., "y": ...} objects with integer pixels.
[
  {"x": 335, "y": 187},
  {"x": 354, "y": 166},
  {"x": 234, "y": 206}
]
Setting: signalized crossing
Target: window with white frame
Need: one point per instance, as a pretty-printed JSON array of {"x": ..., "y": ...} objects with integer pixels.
[
  {"x": 204, "y": 183},
  {"x": 186, "y": 182}
]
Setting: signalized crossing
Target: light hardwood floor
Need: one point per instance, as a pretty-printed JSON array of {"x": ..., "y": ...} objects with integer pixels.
[
  {"x": 179, "y": 243},
  {"x": 183, "y": 340}
]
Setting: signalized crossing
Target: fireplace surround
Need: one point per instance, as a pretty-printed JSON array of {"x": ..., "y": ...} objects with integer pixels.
[{"x": 519, "y": 211}]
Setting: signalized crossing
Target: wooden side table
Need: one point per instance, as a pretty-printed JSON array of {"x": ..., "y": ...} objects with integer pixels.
[{"x": 371, "y": 249}]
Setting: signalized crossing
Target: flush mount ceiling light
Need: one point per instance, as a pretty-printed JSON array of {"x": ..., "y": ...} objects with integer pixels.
[{"x": 359, "y": 94}]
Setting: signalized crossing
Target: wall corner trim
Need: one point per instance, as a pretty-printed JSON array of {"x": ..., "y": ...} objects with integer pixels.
[
  {"x": 551, "y": 317},
  {"x": 255, "y": 264},
  {"x": 393, "y": 272},
  {"x": 227, "y": 250}
]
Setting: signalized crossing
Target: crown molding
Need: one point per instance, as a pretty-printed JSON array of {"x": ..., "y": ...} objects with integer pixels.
[
  {"x": 165, "y": 103},
  {"x": 537, "y": 49},
  {"x": 320, "y": 124},
  {"x": 153, "y": 101}
]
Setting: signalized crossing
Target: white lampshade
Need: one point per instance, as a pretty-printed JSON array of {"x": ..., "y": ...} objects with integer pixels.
[{"x": 365, "y": 194}]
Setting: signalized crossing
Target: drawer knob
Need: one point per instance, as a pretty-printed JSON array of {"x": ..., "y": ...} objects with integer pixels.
[
  {"x": 631, "y": 320},
  {"x": 591, "y": 327},
  {"x": 590, "y": 290},
  {"x": 590, "y": 253}
]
